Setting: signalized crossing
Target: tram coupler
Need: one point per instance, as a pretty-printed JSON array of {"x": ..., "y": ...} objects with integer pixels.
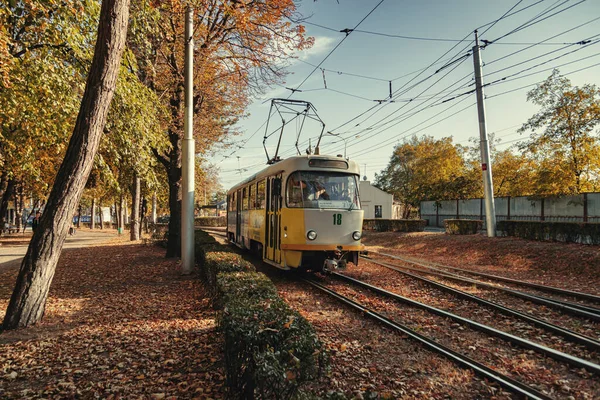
[{"x": 329, "y": 265}]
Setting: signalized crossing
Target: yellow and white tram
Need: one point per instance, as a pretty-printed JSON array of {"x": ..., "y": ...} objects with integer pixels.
[{"x": 301, "y": 212}]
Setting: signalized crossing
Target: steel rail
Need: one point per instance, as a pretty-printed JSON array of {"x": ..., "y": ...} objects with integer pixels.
[
  {"x": 480, "y": 369},
  {"x": 575, "y": 337},
  {"x": 552, "y": 353},
  {"x": 568, "y": 308},
  {"x": 551, "y": 289}
]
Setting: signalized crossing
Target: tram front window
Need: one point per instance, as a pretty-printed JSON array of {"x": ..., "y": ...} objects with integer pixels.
[{"x": 322, "y": 190}]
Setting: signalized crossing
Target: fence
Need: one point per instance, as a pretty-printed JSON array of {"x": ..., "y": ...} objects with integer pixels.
[{"x": 584, "y": 207}]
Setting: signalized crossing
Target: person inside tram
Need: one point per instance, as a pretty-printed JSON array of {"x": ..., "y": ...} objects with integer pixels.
[{"x": 321, "y": 193}]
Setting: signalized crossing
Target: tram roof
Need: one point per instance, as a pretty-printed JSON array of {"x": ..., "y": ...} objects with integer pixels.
[{"x": 301, "y": 162}]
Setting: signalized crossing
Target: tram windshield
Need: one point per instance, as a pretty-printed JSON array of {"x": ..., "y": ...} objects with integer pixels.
[{"x": 319, "y": 189}]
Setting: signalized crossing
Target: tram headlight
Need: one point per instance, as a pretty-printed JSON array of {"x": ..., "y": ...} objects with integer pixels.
[
  {"x": 311, "y": 235},
  {"x": 356, "y": 235}
]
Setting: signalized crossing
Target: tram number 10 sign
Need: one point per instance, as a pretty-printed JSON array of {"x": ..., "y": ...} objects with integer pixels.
[{"x": 337, "y": 219}]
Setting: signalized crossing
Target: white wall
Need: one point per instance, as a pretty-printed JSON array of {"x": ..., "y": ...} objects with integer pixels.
[{"x": 370, "y": 196}]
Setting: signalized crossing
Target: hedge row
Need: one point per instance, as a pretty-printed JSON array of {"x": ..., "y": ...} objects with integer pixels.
[
  {"x": 463, "y": 226},
  {"x": 210, "y": 221},
  {"x": 270, "y": 349},
  {"x": 395, "y": 225},
  {"x": 578, "y": 232}
]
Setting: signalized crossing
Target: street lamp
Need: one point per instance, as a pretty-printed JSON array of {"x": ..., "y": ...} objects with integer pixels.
[{"x": 343, "y": 138}]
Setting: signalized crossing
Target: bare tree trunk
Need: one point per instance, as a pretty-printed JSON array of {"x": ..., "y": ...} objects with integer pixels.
[
  {"x": 174, "y": 238},
  {"x": 120, "y": 217},
  {"x": 79, "y": 217},
  {"x": 126, "y": 215},
  {"x": 19, "y": 201},
  {"x": 135, "y": 209},
  {"x": 6, "y": 196},
  {"x": 93, "y": 213},
  {"x": 143, "y": 220},
  {"x": 154, "y": 208},
  {"x": 28, "y": 301},
  {"x": 101, "y": 216}
]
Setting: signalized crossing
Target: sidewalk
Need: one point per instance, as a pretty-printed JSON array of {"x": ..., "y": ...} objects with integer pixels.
[{"x": 14, "y": 246}]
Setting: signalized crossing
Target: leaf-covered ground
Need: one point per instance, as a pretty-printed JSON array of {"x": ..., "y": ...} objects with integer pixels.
[
  {"x": 567, "y": 265},
  {"x": 120, "y": 322}
]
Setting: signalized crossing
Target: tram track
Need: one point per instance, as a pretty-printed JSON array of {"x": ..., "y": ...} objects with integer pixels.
[
  {"x": 558, "y": 356},
  {"x": 480, "y": 369},
  {"x": 563, "y": 306},
  {"x": 544, "y": 288},
  {"x": 590, "y": 343}
]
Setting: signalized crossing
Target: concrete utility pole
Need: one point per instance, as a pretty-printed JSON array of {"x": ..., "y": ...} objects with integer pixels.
[
  {"x": 188, "y": 153},
  {"x": 486, "y": 165}
]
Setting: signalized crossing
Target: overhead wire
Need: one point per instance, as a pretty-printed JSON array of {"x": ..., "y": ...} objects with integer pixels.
[
  {"x": 521, "y": 27},
  {"x": 383, "y": 144},
  {"x": 543, "y": 41},
  {"x": 336, "y": 47},
  {"x": 530, "y": 21}
]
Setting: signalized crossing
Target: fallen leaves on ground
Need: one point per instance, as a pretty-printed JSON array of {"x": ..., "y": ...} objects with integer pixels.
[
  {"x": 567, "y": 265},
  {"x": 120, "y": 322}
]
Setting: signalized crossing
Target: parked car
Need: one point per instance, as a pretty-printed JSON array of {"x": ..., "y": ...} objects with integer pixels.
[{"x": 84, "y": 219}]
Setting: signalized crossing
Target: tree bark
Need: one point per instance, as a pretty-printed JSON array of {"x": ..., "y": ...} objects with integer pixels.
[
  {"x": 154, "y": 208},
  {"x": 93, "y": 214},
  {"x": 28, "y": 301},
  {"x": 101, "y": 217},
  {"x": 121, "y": 216},
  {"x": 174, "y": 238},
  {"x": 6, "y": 196},
  {"x": 134, "y": 228},
  {"x": 79, "y": 217}
]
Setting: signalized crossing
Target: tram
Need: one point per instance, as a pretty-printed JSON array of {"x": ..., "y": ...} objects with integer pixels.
[{"x": 303, "y": 212}]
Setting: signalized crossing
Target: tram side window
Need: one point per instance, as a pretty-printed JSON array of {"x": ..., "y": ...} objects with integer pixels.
[
  {"x": 260, "y": 195},
  {"x": 244, "y": 199},
  {"x": 251, "y": 197},
  {"x": 233, "y": 202}
]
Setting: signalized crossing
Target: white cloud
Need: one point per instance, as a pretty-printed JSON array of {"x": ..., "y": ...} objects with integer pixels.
[{"x": 322, "y": 45}]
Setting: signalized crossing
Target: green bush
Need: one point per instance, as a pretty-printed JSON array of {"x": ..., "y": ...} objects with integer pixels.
[
  {"x": 463, "y": 226},
  {"x": 270, "y": 349},
  {"x": 216, "y": 262},
  {"x": 210, "y": 221},
  {"x": 158, "y": 234},
  {"x": 579, "y": 232},
  {"x": 394, "y": 225}
]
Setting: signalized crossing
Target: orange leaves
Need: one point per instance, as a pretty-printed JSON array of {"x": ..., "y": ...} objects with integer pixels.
[{"x": 120, "y": 322}]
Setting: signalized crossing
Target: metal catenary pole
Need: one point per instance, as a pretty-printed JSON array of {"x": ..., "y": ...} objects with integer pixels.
[
  {"x": 188, "y": 153},
  {"x": 486, "y": 165}
]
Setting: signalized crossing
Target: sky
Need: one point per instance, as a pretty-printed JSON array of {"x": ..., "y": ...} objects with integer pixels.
[{"x": 356, "y": 71}]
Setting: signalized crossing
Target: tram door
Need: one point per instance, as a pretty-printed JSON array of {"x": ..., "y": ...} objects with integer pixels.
[{"x": 272, "y": 249}]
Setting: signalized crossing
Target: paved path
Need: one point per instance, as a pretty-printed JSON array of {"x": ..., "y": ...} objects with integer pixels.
[{"x": 12, "y": 254}]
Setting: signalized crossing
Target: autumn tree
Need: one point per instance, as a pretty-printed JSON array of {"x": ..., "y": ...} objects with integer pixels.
[
  {"x": 563, "y": 142},
  {"x": 28, "y": 300},
  {"x": 240, "y": 49},
  {"x": 514, "y": 174},
  {"x": 43, "y": 46},
  {"x": 426, "y": 169}
]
